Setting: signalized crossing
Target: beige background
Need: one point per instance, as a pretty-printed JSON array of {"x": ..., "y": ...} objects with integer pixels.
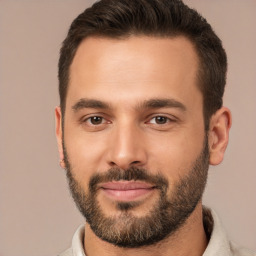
[{"x": 37, "y": 215}]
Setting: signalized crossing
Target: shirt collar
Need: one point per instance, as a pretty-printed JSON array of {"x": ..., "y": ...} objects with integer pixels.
[
  {"x": 78, "y": 242},
  {"x": 218, "y": 244}
]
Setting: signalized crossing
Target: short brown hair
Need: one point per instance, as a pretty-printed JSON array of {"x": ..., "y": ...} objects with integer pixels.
[{"x": 157, "y": 18}]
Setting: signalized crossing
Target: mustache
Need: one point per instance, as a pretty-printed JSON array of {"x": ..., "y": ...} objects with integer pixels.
[{"x": 133, "y": 173}]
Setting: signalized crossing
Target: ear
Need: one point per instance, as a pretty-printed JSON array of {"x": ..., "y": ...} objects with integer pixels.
[
  {"x": 59, "y": 132},
  {"x": 218, "y": 135}
]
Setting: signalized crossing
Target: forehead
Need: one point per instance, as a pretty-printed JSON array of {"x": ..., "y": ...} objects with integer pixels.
[{"x": 142, "y": 65}]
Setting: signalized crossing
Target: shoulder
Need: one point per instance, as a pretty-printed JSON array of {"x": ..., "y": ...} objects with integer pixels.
[
  {"x": 219, "y": 243},
  {"x": 77, "y": 247},
  {"x": 240, "y": 251},
  {"x": 68, "y": 252}
]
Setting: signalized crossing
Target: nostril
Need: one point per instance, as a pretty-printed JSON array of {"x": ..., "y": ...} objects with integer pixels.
[
  {"x": 124, "y": 166},
  {"x": 112, "y": 164}
]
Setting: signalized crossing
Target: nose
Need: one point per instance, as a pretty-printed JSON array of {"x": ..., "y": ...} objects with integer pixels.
[{"x": 127, "y": 147}]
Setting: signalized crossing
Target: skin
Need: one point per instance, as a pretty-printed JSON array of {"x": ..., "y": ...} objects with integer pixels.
[{"x": 125, "y": 75}]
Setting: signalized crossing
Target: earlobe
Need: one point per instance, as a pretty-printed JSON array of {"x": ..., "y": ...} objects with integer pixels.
[
  {"x": 58, "y": 131},
  {"x": 218, "y": 135}
]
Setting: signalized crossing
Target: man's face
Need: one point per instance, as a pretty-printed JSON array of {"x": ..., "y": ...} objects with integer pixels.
[{"x": 134, "y": 138}]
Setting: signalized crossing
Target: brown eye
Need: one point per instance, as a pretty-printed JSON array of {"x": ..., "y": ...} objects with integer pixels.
[
  {"x": 95, "y": 123},
  {"x": 95, "y": 120},
  {"x": 161, "y": 119}
]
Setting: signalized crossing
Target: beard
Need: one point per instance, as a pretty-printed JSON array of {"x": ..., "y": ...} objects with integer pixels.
[{"x": 165, "y": 217}]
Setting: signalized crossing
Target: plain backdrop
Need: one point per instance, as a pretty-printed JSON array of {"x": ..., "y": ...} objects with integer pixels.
[{"x": 37, "y": 214}]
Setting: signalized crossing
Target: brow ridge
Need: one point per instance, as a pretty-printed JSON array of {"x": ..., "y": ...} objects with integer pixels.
[
  {"x": 162, "y": 103},
  {"x": 147, "y": 104},
  {"x": 89, "y": 103}
]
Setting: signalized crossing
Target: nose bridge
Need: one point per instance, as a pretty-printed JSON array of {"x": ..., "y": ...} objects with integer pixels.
[{"x": 127, "y": 147}]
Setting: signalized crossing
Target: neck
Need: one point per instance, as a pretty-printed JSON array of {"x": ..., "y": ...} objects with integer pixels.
[{"x": 190, "y": 240}]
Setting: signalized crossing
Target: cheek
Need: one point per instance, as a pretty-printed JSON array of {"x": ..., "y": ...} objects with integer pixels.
[
  {"x": 84, "y": 153},
  {"x": 174, "y": 154}
]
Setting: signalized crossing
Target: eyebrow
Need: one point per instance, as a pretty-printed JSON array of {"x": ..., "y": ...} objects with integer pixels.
[
  {"x": 147, "y": 104},
  {"x": 162, "y": 103},
  {"x": 90, "y": 103}
]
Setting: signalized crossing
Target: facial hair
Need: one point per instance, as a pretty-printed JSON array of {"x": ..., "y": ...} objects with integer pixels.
[{"x": 166, "y": 217}]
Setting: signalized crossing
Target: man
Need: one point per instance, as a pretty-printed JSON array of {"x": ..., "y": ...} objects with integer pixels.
[{"x": 139, "y": 122}]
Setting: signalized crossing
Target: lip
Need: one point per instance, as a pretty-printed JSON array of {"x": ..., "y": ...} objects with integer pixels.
[{"x": 126, "y": 190}]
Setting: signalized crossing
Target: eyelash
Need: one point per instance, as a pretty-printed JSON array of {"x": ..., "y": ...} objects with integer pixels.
[
  {"x": 89, "y": 119},
  {"x": 166, "y": 120}
]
